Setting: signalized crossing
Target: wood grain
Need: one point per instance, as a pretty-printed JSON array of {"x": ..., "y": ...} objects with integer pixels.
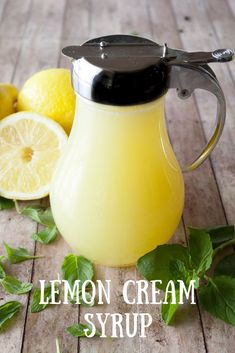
[
  {"x": 40, "y": 50},
  {"x": 14, "y": 229},
  {"x": 217, "y": 334}
]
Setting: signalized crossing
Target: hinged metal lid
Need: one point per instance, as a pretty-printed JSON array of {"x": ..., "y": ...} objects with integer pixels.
[{"x": 125, "y": 70}]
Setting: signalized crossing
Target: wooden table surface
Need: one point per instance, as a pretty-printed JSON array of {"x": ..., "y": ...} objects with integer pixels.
[{"x": 32, "y": 33}]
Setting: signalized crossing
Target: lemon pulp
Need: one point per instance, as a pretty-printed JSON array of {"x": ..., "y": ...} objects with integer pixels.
[{"x": 30, "y": 146}]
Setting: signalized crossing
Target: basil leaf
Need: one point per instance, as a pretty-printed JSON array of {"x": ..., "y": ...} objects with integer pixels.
[
  {"x": 168, "y": 310},
  {"x": 218, "y": 298},
  {"x": 78, "y": 330},
  {"x": 39, "y": 214},
  {"x": 46, "y": 236},
  {"x": 18, "y": 255},
  {"x": 6, "y": 204},
  {"x": 156, "y": 264},
  {"x": 226, "y": 266},
  {"x": 200, "y": 249},
  {"x": 220, "y": 234},
  {"x": 35, "y": 306},
  {"x": 76, "y": 268},
  {"x": 7, "y": 311},
  {"x": 14, "y": 286}
]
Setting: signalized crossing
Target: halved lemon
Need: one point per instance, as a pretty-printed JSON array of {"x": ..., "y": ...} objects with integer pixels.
[{"x": 30, "y": 146}]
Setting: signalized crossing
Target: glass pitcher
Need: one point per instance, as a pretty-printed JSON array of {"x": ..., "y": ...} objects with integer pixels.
[{"x": 118, "y": 190}]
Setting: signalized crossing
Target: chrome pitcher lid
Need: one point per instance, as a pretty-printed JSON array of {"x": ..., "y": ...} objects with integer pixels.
[{"x": 126, "y": 70}]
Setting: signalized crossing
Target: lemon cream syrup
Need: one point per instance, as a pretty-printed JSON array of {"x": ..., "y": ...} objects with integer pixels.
[
  {"x": 118, "y": 190},
  {"x": 121, "y": 324}
]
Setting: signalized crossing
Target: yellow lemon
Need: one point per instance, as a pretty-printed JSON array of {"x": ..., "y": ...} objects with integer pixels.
[
  {"x": 30, "y": 145},
  {"x": 8, "y": 97},
  {"x": 49, "y": 93}
]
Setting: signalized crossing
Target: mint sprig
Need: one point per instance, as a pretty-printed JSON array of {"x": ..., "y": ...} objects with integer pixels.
[
  {"x": 218, "y": 298},
  {"x": 39, "y": 214},
  {"x": 43, "y": 216},
  {"x": 14, "y": 286},
  {"x": 174, "y": 262},
  {"x": 226, "y": 266},
  {"x": 157, "y": 263},
  {"x": 6, "y": 204},
  {"x": 220, "y": 234},
  {"x": 7, "y": 311},
  {"x": 16, "y": 255},
  {"x": 2, "y": 271},
  {"x": 200, "y": 250},
  {"x": 81, "y": 330},
  {"x": 46, "y": 236},
  {"x": 76, "y": 268},
  {"x": 168, "y": 310},
  {"x": 35, "y": 306}
]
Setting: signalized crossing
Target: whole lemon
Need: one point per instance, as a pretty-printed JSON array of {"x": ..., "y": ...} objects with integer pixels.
[
  {"x": 50, "y": 93},
  {"x": 8, "y": 97}
]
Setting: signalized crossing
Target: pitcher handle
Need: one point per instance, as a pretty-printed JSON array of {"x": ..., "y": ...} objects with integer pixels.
[{"x": 186, "y": 78}]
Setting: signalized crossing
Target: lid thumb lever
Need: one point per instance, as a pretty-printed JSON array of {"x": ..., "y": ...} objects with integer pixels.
[{"x": 219, "y": 55}]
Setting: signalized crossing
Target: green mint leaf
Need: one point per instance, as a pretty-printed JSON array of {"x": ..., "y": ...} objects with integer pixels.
[
  {"x": 6, "y": 204},
  {"x": 226, "y": 266},
  {"x": 14, "y": 286},
  {"x": 39, "y": 214},
  {"x": 200, "y": 249},
  {"x": 196, "y": 278},
  {"x": 168, "y": 310},
  {"x": 2, "y": 272},
  {"x": 7, "y": 311},
  {"x": 18, "y": 255},
  {"x": 220, "y": 234},
  {"x": 156, "y": 264},
  {"x": 179, "y": 271},
  {"x": 80, "y": 330},
  {"x": 134, "y": 33},
  {"x": 76, "y": 268},
  {"x": 35, "y": 306},
  {"x": 218, "y": 298},
  {"x": 88, "y": 298},
  {"x": 47, "y": 235}
]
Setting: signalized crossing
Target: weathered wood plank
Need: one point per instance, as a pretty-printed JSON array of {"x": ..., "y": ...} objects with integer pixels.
[
  {"x": 14, "y": 18},
  {"x": 231, "y": 4},
  {"x": 40, "y": 49},
  {"x": 222, "y": 22},
  {"x": 41, "y": 42},
  {"x": 219, "y": 336},
  {"x": 222, "y": 157},
  {"x": 14, "y": 229},
  {"x": 2, "y": 7},
  {"x": 105, "y": 19},
  {"x": 76, "y": 27},
  {"x": 160, "y": 338}
]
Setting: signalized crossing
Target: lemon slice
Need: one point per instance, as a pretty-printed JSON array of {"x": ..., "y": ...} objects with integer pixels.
[{"x": 30, "y": 146}]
